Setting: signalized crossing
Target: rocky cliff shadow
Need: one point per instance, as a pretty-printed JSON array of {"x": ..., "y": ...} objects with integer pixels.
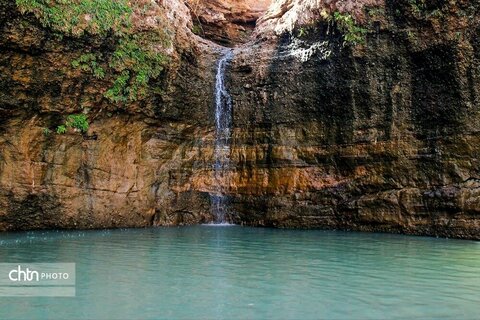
[
  {"x": 438, "y": 106},
  {"x": 35, "y": 211}
]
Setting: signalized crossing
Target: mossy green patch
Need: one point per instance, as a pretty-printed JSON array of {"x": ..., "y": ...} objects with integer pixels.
[
  {"x": 80, "y": 16},
  {"x": 88, "y": 62},
  {"x": 352, "y": 32},
  {"x": 136, "y": 61},
  {"x": 137, "y": 57},
  {"x": 75, "y": 121}
]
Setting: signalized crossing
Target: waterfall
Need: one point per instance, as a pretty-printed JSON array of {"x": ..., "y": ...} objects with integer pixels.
[{"x": 223, "y": 126}]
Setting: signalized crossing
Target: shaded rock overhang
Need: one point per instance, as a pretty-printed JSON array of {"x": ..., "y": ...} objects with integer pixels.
[{"x": 226, "y": 22}]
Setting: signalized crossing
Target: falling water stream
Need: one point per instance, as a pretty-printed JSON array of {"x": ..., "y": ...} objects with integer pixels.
[{"x": 223, "y": 125}]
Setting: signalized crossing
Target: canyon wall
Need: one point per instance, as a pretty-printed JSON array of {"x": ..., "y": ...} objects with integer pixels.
[
  {"x": 227, "y": 22},
  {"x": 382, "y": 135}
]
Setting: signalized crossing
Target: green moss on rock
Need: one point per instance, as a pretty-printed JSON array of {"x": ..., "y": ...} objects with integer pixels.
[
  {"x": 137, "y": 57},
  {"x": 80, "y": 16}
]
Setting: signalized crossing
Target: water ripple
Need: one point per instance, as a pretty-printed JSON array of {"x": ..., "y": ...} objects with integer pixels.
[{"x": 236, "y": 273}]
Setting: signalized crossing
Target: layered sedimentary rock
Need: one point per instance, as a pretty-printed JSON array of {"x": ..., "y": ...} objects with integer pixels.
[
  {"x": 120, "y": 172},
  {"x": 376, "y": 136}
]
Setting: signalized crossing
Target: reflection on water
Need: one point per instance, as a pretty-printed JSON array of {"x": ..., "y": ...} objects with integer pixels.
[{"x": 234, "y": 272}]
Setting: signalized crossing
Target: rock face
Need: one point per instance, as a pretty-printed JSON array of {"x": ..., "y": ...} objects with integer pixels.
[
  {"x": 284, "y": 15},
  {"x": 122, "y": 172},
  {"x": 382, "y": 136},
  {"x": 227, "y": 22}
]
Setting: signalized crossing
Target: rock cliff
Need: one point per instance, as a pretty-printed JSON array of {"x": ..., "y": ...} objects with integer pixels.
[
  {"x": 227, "y": 22},
  {"x": 367, "y": 119}
]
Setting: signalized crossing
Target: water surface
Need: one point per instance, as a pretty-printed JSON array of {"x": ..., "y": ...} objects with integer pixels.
[{"x": 233, "y": 272}]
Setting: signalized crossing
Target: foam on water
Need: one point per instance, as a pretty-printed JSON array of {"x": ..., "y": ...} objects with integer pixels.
[{"x": 223, "y": 224}]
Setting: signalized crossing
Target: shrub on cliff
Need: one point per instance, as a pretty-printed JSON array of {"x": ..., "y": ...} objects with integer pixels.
[
  {"x": 137, "y": 57},
  {"x": 75, "y": 121},
  {"x": 352, "y": 32},
  {"x": 81, "y": 16}
]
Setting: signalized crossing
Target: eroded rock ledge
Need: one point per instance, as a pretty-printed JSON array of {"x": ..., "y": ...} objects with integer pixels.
[
  {"x": 379, "y": 136},
  {"x": 227, "y": 22}
]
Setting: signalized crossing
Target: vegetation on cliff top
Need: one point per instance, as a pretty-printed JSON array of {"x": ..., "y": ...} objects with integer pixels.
[
  {"x": 81, "y": 16},
  {"x": 137, "y": 57},
  {"x": 352, "y": 32}
]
